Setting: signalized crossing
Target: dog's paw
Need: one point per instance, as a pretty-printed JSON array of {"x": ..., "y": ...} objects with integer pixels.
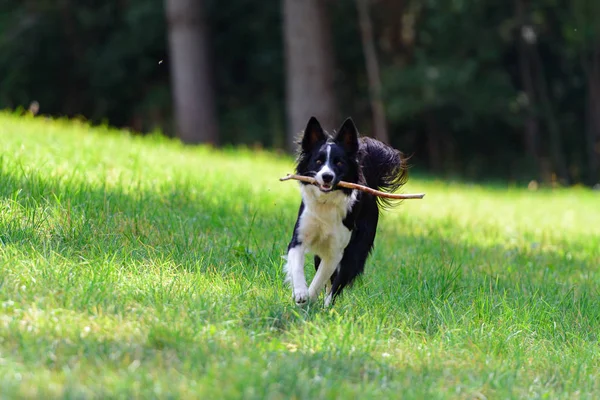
[
  {"x": 328, "y": 300},
  {"x": 301, "y": 296}
]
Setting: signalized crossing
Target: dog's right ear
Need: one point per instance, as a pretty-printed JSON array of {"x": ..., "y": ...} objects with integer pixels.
[{"x": 312, "y": 134}]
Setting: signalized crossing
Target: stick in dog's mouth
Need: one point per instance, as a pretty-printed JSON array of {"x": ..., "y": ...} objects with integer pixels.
[{"x": 349, "y": 185}]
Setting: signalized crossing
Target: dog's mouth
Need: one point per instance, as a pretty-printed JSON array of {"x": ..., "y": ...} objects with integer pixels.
[{"x": 325, "y": 187}]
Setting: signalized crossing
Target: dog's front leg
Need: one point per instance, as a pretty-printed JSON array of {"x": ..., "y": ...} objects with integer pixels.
[
  {"x": 326, "y": 269},
  {"x": 295, "y": 274}
]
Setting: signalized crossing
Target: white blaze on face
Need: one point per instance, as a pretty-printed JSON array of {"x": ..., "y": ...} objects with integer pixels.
[{"x": 326, "y": 168}]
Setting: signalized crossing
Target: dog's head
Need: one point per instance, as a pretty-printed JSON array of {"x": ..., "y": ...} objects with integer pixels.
[{"x": 329, "y": 160}]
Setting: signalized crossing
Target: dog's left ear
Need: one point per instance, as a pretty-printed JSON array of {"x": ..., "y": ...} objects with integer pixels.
[{"x": 347, "y": 136}]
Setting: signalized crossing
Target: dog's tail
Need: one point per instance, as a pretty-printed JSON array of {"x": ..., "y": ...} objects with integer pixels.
[{"x": 384, "y": 168}]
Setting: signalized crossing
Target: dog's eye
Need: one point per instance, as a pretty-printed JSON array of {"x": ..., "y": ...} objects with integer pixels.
[
  {"x": 340, "y": 163},
  {"x": 319, "y": 162}
]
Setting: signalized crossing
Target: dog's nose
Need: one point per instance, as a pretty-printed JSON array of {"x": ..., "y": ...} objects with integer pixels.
[{"x": 327, "y": 177}]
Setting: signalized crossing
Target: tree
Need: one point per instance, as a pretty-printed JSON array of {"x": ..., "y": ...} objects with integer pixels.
[
  {"x": 309, "y": 66},
  {"x": 195, "y": 111},
  {"x": 592, "y": 68},
  {"x": 372, "y": 65},
  {"x": 450, "y": 85},
  {"x": 583, "y": 39},
  {"x": 524, "y": 39}
]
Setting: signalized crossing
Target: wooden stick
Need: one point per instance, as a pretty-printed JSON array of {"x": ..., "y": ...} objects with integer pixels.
[{"x": 349, "y": 185}]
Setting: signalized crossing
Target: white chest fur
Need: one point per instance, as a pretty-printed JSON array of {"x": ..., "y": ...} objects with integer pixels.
[{"x": 321, "y": 227}]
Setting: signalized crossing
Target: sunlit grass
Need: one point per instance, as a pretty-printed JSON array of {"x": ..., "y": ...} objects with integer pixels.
[{"x": 136, "y": 267}]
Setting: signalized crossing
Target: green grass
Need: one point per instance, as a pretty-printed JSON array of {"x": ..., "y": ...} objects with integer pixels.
[{"x": 137, "y": 268}]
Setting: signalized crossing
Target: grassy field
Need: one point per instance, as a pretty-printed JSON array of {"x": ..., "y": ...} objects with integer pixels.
[{"x": 137, "y": 268}]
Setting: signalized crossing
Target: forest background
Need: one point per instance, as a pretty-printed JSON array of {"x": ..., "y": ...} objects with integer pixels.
[{"x": 472, "y": 89}]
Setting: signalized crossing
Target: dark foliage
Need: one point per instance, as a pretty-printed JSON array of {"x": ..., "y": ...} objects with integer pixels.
[{"x": 455, "y": 75}]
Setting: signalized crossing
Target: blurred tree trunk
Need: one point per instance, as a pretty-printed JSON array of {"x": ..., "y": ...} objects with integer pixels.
[
  {"x": 398, "y": 36},
  {"x": 309, "y": 67},
  {"x": 434, "y": 142},
  {"x": 372, "y": 65},
  {"x": 526, "y": 75},
  {"x": 585, "y": 15},
  {"x": 195, "y": 111},
  {"x": 71, "y": 84},
  {"x": 593, "y": 111},
  {"x": 557, "y": 155}
]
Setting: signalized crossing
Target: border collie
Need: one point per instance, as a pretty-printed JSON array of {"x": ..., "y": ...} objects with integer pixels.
[{"x": 338, "y": 225}]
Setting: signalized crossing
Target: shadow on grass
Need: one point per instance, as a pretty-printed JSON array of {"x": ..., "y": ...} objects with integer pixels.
[
  {"x": 226, "y": 362},
  {"x": 207, "y": 232},
  {"x": 78, "y": 220},
  {"x": 169, "y": 360}
]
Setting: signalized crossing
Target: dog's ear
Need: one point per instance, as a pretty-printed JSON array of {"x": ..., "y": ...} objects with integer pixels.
[
  {"x": 347, "y": 136},
  {"x": 312, "y": 134}
]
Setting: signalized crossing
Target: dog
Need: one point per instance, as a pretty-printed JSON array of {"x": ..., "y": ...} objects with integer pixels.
[{"x": 338, "y": 225}]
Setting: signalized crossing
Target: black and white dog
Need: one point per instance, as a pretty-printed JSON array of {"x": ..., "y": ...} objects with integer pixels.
[{"x": 335, "y": 224}]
